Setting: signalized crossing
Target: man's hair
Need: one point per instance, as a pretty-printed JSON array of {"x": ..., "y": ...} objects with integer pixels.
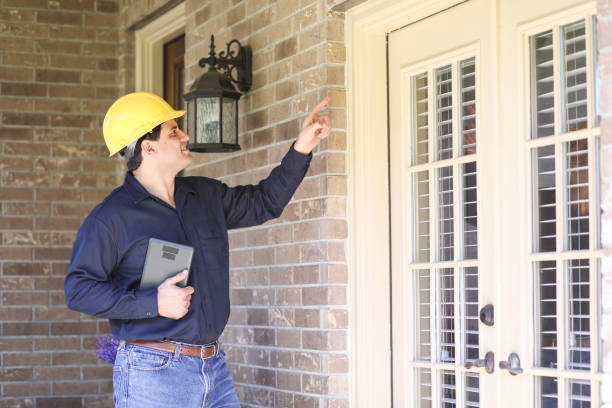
[{"x": 133, "y": 152}]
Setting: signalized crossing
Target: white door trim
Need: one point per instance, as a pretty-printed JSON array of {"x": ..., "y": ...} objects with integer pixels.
[
  {"x": 368, "y": 209},
  {"x": 150, "y": 39}
]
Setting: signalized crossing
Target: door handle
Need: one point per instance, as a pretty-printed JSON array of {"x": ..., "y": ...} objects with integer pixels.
[
  {"x": 513, "y": 364},
  {"x": 488, "y": 363}
]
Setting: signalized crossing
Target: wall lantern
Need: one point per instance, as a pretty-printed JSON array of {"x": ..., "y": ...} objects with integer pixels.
[{"x": 212, "y": 101}]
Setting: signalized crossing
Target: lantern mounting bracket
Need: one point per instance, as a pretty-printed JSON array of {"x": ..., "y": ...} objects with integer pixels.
[{"x": 235, "y": 62}]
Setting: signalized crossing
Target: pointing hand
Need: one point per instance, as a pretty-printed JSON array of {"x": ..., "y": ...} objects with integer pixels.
[{"x": 314, "y": 129}]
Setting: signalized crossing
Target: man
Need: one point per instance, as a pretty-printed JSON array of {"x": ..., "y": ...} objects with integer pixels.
[{"x": 169, "y": 355}]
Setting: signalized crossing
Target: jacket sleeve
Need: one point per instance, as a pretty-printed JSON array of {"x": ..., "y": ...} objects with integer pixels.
[
  {"x": 88, "y": 286},
  {"x": 245, "y": 206}
]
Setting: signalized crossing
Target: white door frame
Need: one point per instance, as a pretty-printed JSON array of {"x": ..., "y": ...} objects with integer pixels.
[
  {"x": 149, "y": 50},
  {"x": 368, "y": 208}
]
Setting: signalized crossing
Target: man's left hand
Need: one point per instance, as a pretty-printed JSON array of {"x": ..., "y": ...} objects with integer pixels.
[{"x": 314, "y": 129}]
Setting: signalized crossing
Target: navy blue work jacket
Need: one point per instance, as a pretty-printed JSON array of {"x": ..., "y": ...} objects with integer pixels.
[{"x": 109, "y": 251}]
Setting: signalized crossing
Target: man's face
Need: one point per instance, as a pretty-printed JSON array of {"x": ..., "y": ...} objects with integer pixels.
[{"x": 172, "y": 146}]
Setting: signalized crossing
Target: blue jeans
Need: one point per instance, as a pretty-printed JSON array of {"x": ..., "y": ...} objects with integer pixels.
[{"x": 148, "y": 378}]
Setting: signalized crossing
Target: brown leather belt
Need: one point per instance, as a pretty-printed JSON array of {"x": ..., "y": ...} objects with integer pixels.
[{"x": 192, "y": 351}]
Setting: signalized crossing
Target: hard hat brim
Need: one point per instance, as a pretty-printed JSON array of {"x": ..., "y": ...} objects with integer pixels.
[{"x": 158, "y": 121}]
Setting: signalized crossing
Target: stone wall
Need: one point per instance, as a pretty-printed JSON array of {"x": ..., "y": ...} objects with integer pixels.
[
  {"x": 58, "y": 75},
  {"x": 287, "y": 335}
]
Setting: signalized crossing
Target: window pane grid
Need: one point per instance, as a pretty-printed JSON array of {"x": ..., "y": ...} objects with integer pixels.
[
  {"x": 440, "y": 332},
  {"x": 577, "y": 161},
  {"x": 445, "y": 214},
  {"x": 468, "y": 105},
  {"x": 472, "y": 390},
  {"x": 575, "y": 76},
  {"x": 591, "y": 94},
  {"x": 565, "y": 197},
  {"x": 548, "y": 390},
  {"x": 422, "y": 238},
  {"x": 424, "y": 388},
  {"x": 448, "y": 389},
  {"x": 444, "y": 112},
  {"x": 546, "y": 309},
  {"x": 423, "y": 317},
  {"x": 420, "y": 146},
  {"x": 446, "y": 314},
  {"x": 543, "y": 98},
  {"x": 545, "y": 198},
  {"x": 471, "y": 313},
  {"x": 470, "y": 212},
  {"x": 579, "y": 341},
  {"x": 580, "y": 394}
]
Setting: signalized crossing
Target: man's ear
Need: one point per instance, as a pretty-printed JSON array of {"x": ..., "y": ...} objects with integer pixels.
[{"x": 148, "y": 147}]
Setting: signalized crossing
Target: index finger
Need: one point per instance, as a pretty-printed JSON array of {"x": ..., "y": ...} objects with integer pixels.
[{"x": 318, "y": 108}]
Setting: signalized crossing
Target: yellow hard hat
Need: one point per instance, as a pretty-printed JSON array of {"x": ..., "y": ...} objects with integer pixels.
[{"x": 132, "y": 116}]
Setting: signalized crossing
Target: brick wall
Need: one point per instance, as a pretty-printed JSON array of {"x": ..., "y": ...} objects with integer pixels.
[
  {"x": 604, "y": 57},
  {"x": 287, "y": 335},
  {"x": 58, "y": 75},
  {"x": 62, "y": 63}
]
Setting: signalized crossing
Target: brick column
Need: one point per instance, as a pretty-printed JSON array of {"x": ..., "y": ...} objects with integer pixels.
[
  {"x": 58, "y": 75},
  {"x": 287, "y": 335}
]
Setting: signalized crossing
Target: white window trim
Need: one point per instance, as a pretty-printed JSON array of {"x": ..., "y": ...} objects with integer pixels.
[
  {"x": 369, "y": 254},
  {"x": 150, "y": 40}
]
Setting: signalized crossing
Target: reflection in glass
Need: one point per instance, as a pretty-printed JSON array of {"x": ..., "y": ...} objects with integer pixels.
[
  {"x": 545, "y": 201},
  {"x": 421, "y": 190},
  {"x": 424, "y": 387},
  {"x": 229, "y": 121},
  {"x": 471, "y": 314},
  {"x": 579, "y": 336},
  {"x": 445, "y": 214},
  {"x": 448, "y": 395},
  {"x": 208, "y": 120},
  {"x": 575, "y": 76},
  {"x": 191, "y": 118},
  {"x": 423, "y": 318},
  {"x": 470, "y": 213},
  {"x": 444, "y": 112},
  {"x": 546, "y": 310},
  {"x": 580, "y": 394},
  {"x": 420, "y": 146},
  {"x": 595, "y": 72},
  {"x": 577, "y": 162},
  {"x": 467, "y": 69},
  {"x": 446, "y": 315},
  {"x": 542, "y": 85},
  {"x": 472, "y": 390},
  {"x": 548, "y": 392}
]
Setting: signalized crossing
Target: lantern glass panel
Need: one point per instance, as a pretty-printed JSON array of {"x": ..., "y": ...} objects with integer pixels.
[
  {"x": 191, "y": 118},
  {"x": 208, "y": 120},
  {"x": 229, "y": 121}
]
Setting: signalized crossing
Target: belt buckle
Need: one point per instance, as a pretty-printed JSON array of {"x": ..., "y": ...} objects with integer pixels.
[{"x": 215, "y": 347}]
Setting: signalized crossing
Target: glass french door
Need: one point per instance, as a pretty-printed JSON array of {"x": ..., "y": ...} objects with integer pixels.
[
  {"x": 494, "y": 201},
  {"x": 564, "y": 258}
]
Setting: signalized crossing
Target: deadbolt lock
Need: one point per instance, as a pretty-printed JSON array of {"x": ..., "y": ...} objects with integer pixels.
[{"x": 486, "y": 315}]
